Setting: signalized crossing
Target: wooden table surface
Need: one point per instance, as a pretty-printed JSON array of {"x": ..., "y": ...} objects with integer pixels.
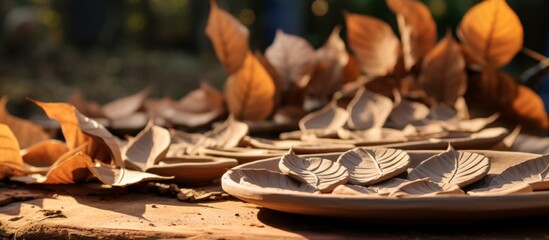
[{"x": 81, "y": 212}]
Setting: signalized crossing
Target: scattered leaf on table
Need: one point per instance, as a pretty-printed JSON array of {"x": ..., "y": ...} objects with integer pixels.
[
  {"x": 528, "y": 109},
  {"x": 121, "y": 177},
  {"x": 375, "y": 45},
  {"x": 443, "y": 75},
  {"x": 368, "y": 110},
  {"x": 250, "y": 91},
  {"x": 26, "y": 132},
  {"x": 418, "y": 30},
  {"x": 125, "y": 106},
  {"x": 147, "y": 148},
  {"x": 293, "y": 57},
  {"x": 471, "y": 125},
  {"x": 72, "y": 167},
  {"x": 202, "y": 100},
  {"x": 135, "y": 120},
  {"x": 45, "y": 153},
  {"x": 370, "y": 166},
  {"x": 103, "y": 145},
  {"x": 271, "y": 180},
  {"x": 534, "y": 172},
  {"x": 229, "y": 38},
  {"x": 322, "y": 174},
  {"x": 192, "y": 120},
  {"x": 512, "y": 188},
  {"x": 326, "y": 120},
  {"x": 405, "y": 112},
  {"x": 425, "y": 187},
  {"x": 493, "y": 31},
  {"x": 277, "y": 79},
  {"x": 11, "y": 163},
  {"x": 452, "y": 167},
  {"x": 373, "y": 136},
  {"x": 226, "y": 135}
]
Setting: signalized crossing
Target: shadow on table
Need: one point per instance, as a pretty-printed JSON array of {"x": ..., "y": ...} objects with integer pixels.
[{"x": 315, "y": 226}]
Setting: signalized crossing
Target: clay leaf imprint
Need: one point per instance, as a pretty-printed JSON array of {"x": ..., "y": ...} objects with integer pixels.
[
  {"x": 425, "y": 187},
  {"x": 492, "y": 30},
  {"x": 370, "y": 166},
  {"x": 271, "y": 180},
  {"x": 147, "y": 148},
  {"x": 250, "y": 91},
  {"x": 26, "y": 132},
  {"x": 443, "y": 75},
  {"x": 506, "y": 189},
  {"x": 326, "y": 120},
  {"x": 125, "y": 106},
  {"x": 11, "y": 163},
  {"x": 229, "y": 38},
  {"x": 121, "y": 177},
  {"x": 322, "y": 174},
  {"x": 368, "y": 110},
  {"x": 452, "y": 167},
  {"x": 375, "y": 45},
  {"x": 534, "y": 172},
  {"x": 417, "y": 28},
  {"x": 293, "y": 57}
]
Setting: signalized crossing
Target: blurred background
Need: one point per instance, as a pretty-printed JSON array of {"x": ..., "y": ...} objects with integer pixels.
[{"x": 113, "y": 48}]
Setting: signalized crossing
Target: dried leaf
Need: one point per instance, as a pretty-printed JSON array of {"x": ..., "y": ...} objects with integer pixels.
[
  {"x": 322, "y": 174},
  {"x": 351, "y": 71},
  {"x": 368, "y": 110},
  {"x": 534, "y": 172},
  {"x": 86, "y": 107},
  {"x": 11, "y": 163},
  {"x": 324, "y": 121},
  {"x": 121, "y": 177},
  {"x": 125, "y": 106},
  {"x": 45, "y": 153},
  {"x": 250, "y": 91},
  {"x": 493, "y": 31},
  {"x": 202, "y": 100},
  {"x": 373, "y": 42},
  {"x": 370, "y": 166},
  {"x": 507, "y": 189},
  {"x": 192, "y": 120},
  {"x": 326, "y": 78},
  {"x": 26, "y": 132},
  {"x": 425, "y": 187},
  {"x": 270, "y": 180},
  {"x": 277, "y": 79},
  {"x": 528, "y": 109},
  {"x": 452, "y": 167},
  {"x": 293, "y": 57},
  {"x": 443, "y": 75},
  {"x": 417, "y": 28},
  {"x": 229, "y": 38},
  {"x": 70, "y": 168},
  {"x": 335, "y": 47},
  {"x": 147, "y": 148}
]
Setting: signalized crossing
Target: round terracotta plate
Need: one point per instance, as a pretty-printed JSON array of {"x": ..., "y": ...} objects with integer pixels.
[{"x": 425, "y": 209}]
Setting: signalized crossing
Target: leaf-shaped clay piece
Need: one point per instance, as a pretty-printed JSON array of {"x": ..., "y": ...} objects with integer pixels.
[
  {"x": 293, "y": 57},
  {"x": 202, "y": 100},
  {"x": 507, "y": 189},
  {"x": 368, "y": 110},
  {"x": 375, "y": 45},
  {"x": 405, "y": 112},
  {"x": 426, "y": 188},
  {"x": 349, "y": 189},
  {"x": 11, "y": 163},
  {"x": 326, "y": 120},
  {"x": 443, "y": 75},
  {"x": 135, "y": 120},
  {"x": 374, "y": 136},
  {"x": 147, "y": 148},
  {"x": 492, "y": 31},
  {"x": 471, "y": 125},
  {"x": 26, "y": 132},
  {"x": 417, "y": 28},
  {"x": 121, "y": 177},
  {"x": 322, "y": 174},
  {"x": 190, "y": 119},
  {"x": 370, "y": 166},
  {"x": 266, "y": 179},
  {"x": 250, "y": 91},
  {"x": 452, "y": 167},
  {"x": 45, "y": 153},
  {"x": 125, "y": 106},
  {"x": 226, "y": 135},
  {"x": 229, "y": 38},
  {"x": 534, "y": 172}
]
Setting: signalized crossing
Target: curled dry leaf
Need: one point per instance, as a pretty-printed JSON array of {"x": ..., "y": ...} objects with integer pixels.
[
  {"x": 202, "y": 100},
  {"x": 324, "y": 121},
  {"x": 125, "y": 106},
  {"x": 368, "y": 110},
  {"x": 229, "y": 38},
  {"x": 26, "y": 132},
  {"x": 293, "y": 57},
  {"x": 443, "y": 75},
  {"x": 11, "y": 163},
  {"x": 121, "y": 177},
  {"x": 425, "y": 187},
  {"x": 417, "y": 28},
  {"x": 512, "y": 188},
  {"x": 271, "y": 180},
  {"x": 492, "y": 30},
  {"x": 375, "y": 45},
  {"x": 370, "y": 166},
  {"x": 147, "y": 148},
  {"x": 534, "y": 172},
  {"x": 452, "y": 167},
  {"x": 45, "y": 153},
  {"x": 69, "y": 168},
  {"x": 322, "y": 174},
  {"x": 250, "y": 91}
]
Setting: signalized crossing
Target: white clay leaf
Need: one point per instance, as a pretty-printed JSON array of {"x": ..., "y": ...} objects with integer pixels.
[{"x": 370, "y": 166}]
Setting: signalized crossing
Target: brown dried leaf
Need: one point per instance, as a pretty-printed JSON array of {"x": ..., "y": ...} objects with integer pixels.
[
  {"x": 370, "y": 166},
  {"x": 26, "y": 132},
  {"x": 373, "y": 42},
  {"x": 250, "y": 91},
  {"x": 493, "y": 31},
  {"x": 70, "y": 168},
  {"x": 368, "y": 110},
  {"x": 324, "y": 121},
  {"x": 125, "y": 106},
  {"x": 45, "y": 153},
  {"x": 534, "y": 172},
  {"x": 528, "y": 109},
  {"x": 202, "y": 100},
  {"x": 417, "y": 28},
  {"x": 443, "y": 75},
  {"x": 11, "y": 163},
  {"x": 293, "y": 57},
  {"x": 121, "y": 177},
  {"x": 147, "y": 148},
  {"x": 229, "y": 38}
]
